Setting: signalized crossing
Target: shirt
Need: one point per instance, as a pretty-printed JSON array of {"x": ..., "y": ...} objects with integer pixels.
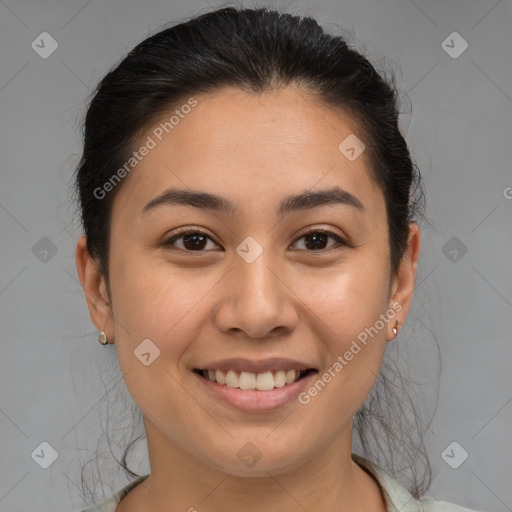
[{"x": 397, "y": 497}]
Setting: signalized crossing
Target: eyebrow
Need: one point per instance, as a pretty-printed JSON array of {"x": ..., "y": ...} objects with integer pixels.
[{"x": 302, "y": 201}]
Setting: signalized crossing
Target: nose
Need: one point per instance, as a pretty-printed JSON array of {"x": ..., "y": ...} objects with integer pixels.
[{"x": 256, "y": 301}]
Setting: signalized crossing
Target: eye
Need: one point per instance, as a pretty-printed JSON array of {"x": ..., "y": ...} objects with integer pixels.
[
  {"x": 193, "y": 240},
  {"x": 318, "y": 238},
  {"x": 197, "y": 240}
]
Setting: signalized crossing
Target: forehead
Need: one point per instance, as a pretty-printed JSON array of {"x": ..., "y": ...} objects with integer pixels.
[{"x": 247, "y": 146}]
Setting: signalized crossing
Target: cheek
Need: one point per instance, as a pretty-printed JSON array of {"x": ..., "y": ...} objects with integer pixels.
[
  {"x": 348, "y": 311},
  {"x": 347, "y": 300},
  {"x": 153, "y": 303},
  {"x": 164, "y": 304}
]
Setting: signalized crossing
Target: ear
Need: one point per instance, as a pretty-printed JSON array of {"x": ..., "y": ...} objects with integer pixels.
[
  {"x": 402, "y": 287},
  {"x": 95, "y": 289}
]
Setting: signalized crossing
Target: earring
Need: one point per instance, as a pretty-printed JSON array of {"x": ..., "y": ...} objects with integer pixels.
[
  {"x": 102, "y": 338},
  {"x": 395, "y": 329}
]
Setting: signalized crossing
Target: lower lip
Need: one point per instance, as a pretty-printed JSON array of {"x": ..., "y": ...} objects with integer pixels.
[{"x": 254, "y": 400}]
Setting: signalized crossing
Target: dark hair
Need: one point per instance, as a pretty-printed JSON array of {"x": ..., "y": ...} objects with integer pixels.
[{"x": 259, "y": 50}]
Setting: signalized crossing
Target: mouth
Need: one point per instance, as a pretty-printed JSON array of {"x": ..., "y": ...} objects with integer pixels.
[{"x": 249, "y": 381}]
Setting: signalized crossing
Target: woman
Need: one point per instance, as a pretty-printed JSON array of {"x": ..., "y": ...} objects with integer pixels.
[{"x": 250, "y": 248}]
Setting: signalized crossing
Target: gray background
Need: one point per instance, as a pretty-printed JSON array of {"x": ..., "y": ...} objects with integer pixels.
[{"x": 459, "y": 133}]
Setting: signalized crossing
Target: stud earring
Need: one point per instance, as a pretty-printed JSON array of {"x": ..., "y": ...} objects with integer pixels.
[
  {"x": 395, "y": 329},
  {"x": 102, "y": 338}
]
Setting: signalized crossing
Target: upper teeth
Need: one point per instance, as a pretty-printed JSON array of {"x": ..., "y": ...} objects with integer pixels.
[{"x": 247, "y": 380}]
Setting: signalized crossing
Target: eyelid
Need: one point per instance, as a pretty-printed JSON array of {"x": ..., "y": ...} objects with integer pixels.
[
  {"x": 177, "y": 234},
  {"x": 339, "y": 239}
]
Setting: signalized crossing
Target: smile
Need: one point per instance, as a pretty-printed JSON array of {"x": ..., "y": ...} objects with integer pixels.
[{"x": 265, "y": 381}]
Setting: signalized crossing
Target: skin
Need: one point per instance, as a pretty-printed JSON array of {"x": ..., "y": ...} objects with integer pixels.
[{"x": 292, "y": 301}]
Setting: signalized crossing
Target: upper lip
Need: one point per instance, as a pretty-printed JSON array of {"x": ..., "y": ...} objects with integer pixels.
[{"x": 263, "y": 365}]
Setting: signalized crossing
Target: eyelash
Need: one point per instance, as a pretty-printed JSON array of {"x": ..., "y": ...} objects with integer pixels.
[{"x": 178, "y": 235}]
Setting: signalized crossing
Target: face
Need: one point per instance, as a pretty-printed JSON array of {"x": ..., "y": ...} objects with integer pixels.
[{"x": 253, "y": 288}]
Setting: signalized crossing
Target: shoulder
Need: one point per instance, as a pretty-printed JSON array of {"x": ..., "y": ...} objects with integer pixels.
[{"x": 398, "y": 498}]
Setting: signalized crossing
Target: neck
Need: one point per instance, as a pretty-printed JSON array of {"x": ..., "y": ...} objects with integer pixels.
[{"x": 331, "y": 481}]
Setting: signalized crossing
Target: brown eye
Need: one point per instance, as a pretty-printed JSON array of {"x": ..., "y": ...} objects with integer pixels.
[
  {"x": 316, "y": 239},
  {"x": 197, "y": 241},
  {"x": 191, "y": 240}
]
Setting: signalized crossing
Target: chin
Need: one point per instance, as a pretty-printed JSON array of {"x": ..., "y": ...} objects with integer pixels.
[{"x": 257, "y": 458}]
